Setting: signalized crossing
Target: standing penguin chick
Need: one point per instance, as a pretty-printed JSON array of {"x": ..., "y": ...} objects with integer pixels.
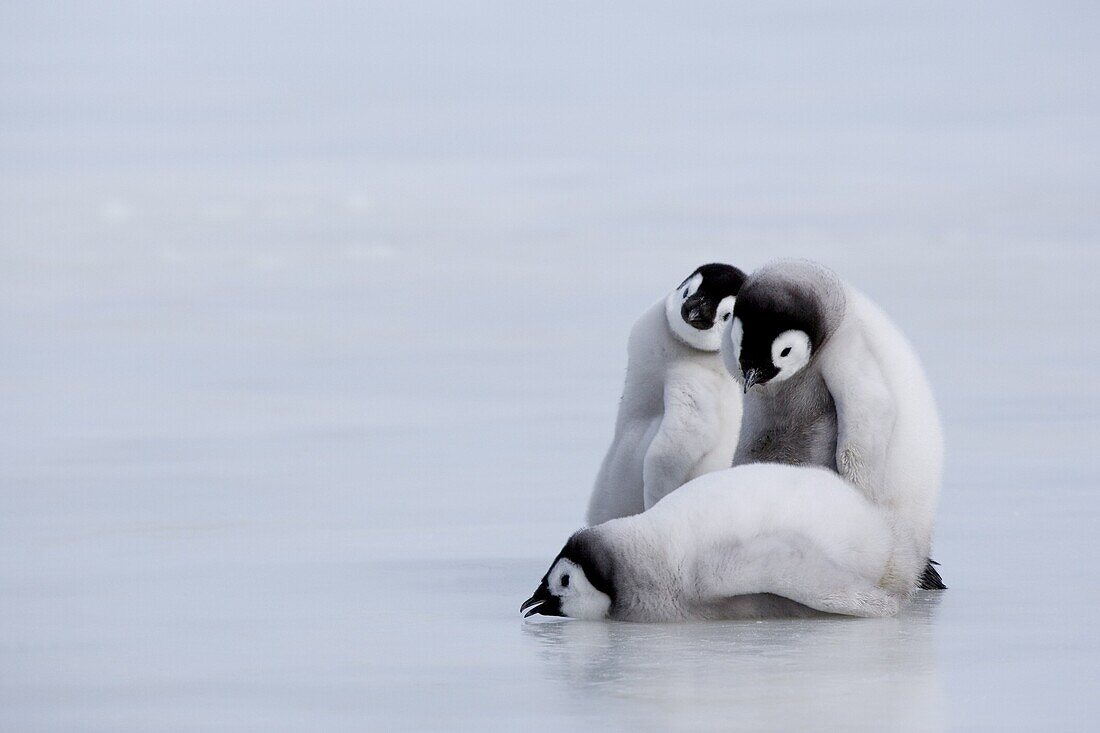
[
  {"x": 680, "y": 411},
  {"x": 830, "y": 381},
  {"x": 754, "y": 541}
]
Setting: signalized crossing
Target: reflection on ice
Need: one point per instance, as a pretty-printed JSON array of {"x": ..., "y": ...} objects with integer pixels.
[{"x": 755, "y": 675}]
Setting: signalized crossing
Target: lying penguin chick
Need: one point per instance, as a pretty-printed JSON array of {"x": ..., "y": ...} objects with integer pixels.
[
  {"x": 830, "y": 381},
  {"x": 747, "y": 542},
  {"x": 680, "y": 411}
]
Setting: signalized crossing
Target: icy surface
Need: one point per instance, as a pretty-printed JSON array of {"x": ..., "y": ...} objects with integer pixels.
[{"x": 313, "y": 324}]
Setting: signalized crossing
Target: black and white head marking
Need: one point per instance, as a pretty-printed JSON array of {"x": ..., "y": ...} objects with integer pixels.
[
  {"x": 701, "y": 306},
  {"x": 579, "y": 583},
  {"x": 777, "y": 326}
]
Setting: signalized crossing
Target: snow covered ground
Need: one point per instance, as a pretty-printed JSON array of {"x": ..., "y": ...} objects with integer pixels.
[{"x": 313, "y": 324}]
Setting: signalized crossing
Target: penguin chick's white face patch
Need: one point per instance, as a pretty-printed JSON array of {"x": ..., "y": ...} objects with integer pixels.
[
  {"x": 694, "y": 324},
  {"x": 791, "y": 351},
  {"x": 736, "y": 332},
  {"x": 690, "y": 287},
  {"x": 578, "y": 598},
  {"x": 724, "y": 313}
]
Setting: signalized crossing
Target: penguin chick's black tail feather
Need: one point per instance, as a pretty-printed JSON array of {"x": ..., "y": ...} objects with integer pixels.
[{"x": 930, "y": 579}]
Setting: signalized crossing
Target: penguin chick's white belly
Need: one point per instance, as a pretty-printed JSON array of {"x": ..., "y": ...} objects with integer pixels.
[
  {"x": 678, "y": 419},
  {"x": 756, "y": 540}
]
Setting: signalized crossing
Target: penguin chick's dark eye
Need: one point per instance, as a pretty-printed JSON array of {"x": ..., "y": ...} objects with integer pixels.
[
  {"x": 685, "y": 292},
  {"x": 726, "y": 317},
  {"x": 565, "y": 581},
  {"x": 785, "y": 351}
]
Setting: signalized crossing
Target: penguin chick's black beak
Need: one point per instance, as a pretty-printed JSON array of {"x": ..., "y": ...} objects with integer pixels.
[
  {"x": 752, "y": 376},
  {"x": 542, "y": 602},
  {"x": 697, "y": 313},
  {"x": 696, "y": 320}
]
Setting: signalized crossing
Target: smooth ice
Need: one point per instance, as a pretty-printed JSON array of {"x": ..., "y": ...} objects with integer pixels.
[{"x": 314, "y": 318}]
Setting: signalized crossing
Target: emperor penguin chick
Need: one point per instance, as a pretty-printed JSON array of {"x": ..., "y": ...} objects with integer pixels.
[
  {"x": 830, "y": 381},
  {"x": 763, "y": 540},
  {"x": 680, "y": 411}
]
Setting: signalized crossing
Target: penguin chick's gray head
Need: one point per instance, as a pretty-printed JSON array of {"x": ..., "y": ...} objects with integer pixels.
[
  {"x": 779, "y": 321},
  {"x": 702, "y": 305},
  {"x": 579, "y": 583}
]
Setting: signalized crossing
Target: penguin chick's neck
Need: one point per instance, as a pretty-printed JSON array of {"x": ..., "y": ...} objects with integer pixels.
[{"x": 645, "y": 560}]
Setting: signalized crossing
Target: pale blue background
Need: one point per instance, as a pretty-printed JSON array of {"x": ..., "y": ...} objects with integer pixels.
[{"x": 313, "y": 323}]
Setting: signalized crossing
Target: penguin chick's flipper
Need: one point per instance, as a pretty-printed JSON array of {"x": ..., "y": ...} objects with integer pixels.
[
  {"x": 844, "y": 593},
  {"x": 866, "y": 414},
  {"x": 688, "y": 431},
  {"x": 930, "y": 579},
  {"x": 788, "y": 565}
]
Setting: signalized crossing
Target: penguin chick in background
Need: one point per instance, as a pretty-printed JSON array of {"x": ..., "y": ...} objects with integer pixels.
[
  {"x": 680, "y": 411},
  {"x": 763, "y": 540},
  {"x": 830, "y": 381}
]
